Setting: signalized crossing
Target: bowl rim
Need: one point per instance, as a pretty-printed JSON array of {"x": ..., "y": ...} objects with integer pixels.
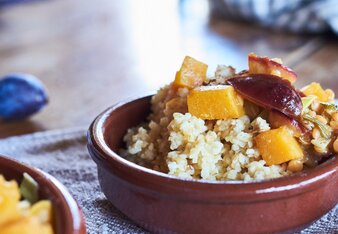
[
  {"x": 167, "y": 184},
  {"x": 73, "y": 214}
]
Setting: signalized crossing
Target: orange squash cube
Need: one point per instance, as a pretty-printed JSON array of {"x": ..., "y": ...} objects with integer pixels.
[
  {"x": 26, "y": 225},
  {"x": 9, "y": 197},
  {"x": 316, "y": 90},
  {"x": 215, "y": 102},
  {"x": 265, "y": 65},
  {"x": 191, "y": 74},
  {"x": 42, "y": 210},
  {"x": 278, "y": 146}
]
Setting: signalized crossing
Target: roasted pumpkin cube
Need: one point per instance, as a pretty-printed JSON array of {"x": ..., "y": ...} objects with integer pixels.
[
  {"x": 42, "y": 210},
  {"x": 9, "y": 197},
  {"x": 191, "y": 74},
  {"x": 278, "y": 146},
  {"x": 316, "y": 90},
  {"x": 215, "y": 102},
  {"x": 27, "y": 225}
]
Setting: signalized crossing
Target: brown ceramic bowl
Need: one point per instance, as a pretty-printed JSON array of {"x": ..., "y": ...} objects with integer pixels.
[
  {"x": 68, "y": 218},
  {"x": 163, "y": 203}
]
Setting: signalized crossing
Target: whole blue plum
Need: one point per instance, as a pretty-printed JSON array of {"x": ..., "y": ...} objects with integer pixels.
[{"x": 21, "y": 95}]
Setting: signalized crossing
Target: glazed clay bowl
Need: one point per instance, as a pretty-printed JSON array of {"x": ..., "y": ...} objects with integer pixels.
[
  {"x": 67, "y": 216},
  {"x": 166, "y": 204}
]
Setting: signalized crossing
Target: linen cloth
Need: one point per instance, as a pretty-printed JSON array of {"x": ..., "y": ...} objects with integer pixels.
[
  {"x": 64, "y": 155},
  {"x": 299, "y": 16}
]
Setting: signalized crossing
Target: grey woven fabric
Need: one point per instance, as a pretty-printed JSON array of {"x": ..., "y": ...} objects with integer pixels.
[
  {"x": 64, "y": 155},
  {"x": 311, "y": 16}
]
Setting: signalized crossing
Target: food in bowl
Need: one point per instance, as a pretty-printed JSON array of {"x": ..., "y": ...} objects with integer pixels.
[
  {"x": 251, "y": 125},
  {"x": 67, "y": 216},
  {"x": 20, "y": 208}
]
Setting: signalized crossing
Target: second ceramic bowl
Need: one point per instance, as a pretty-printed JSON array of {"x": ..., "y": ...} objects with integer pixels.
[{"x": 68, "y": 218}]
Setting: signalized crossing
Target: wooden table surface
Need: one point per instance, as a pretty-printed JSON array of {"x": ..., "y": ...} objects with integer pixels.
[{"x": 91, "y": 54}]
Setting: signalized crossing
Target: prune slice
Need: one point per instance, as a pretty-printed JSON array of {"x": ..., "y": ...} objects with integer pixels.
[{"x": 269, "y": 91}]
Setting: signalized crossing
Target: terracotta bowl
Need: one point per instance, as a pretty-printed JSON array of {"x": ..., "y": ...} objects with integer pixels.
[
  {"x": 68, "y": 218},
  {"x": 163, "y": 203}
]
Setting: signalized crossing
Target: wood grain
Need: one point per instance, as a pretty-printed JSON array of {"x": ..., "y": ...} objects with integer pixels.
[
  {"x": 321, "y": 67},
  {"x": 91, "y": 54}
]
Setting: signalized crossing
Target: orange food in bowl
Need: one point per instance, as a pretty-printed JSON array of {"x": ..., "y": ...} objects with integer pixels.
[
  {"x": 56, "y": 212},
  {"x": 9, "y": 197},
  {"x": 191, "y": 74},
  {"x": 22, "y": 216},
  {"x": 316, "y": 90},
  {"x": 215, "y": 102},
  {"x": 278, "y": 146}
]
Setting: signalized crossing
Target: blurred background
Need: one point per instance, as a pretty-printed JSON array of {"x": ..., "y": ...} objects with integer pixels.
[{"x": 92, "y": 54}]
